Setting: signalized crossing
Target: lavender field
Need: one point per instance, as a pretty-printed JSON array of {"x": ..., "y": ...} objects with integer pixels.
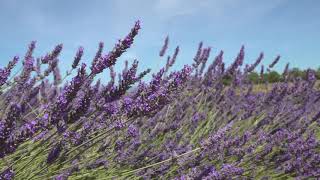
[{"x": 186, "y": 124}]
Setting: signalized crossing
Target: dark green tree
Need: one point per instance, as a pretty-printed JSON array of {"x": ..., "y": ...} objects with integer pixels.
[
  {"x": 254, "y": 77},
  {"x": 273, "y": 77},
  {"x": 296, "y": 72},
  {"x": 318, "y": 73}
]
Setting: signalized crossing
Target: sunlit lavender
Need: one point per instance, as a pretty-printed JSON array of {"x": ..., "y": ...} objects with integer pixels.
[{"x": 207, "y": 120}]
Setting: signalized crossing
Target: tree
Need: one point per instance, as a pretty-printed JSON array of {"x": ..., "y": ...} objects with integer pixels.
[
  {"x": 296, "y": 72},
  {"x": 273, "y": 77},
  {"x": 318, "y": 73},
  {"x": 254, "y": 77}
]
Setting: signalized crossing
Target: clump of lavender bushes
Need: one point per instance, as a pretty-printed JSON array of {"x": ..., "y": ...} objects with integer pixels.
[{"x": 186, "y": 124}]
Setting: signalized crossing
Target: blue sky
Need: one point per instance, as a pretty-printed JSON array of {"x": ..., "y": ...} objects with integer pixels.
[{"x": 290, "y": 28}]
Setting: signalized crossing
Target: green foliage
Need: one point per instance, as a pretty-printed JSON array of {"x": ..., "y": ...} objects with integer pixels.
[
  {"x": 318, "y": 73},
  {"x": 296, "y": 72},
  {"x": 273, "y": 77},
  {"x": 226, "y": 80},
  {"x": 254, "y": 77}
]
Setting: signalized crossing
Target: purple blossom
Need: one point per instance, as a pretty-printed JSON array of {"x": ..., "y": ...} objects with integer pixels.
[
  {"x": 164, "y": 47},
  {"x": 54, "y": 153},
  {"x": 98, "y": 54},
  {"x": 119, "y": 125},
  {"x": 67, "y": 95},
  {"x": 152, "y": 129},
  {"x": 274, "y": 62},
  {"x": 7, "y": 174},
  {"x": 132, "y": 131},
  {"x": 110, "y": 59},
  {"x": 77, "y": 58},
  {"x": 229, "y": 170},
  {"x": 57, "y": 75},
  {"x": 256, "y": 63},
  {"x": 286, "y": 71},
  {"x": 237, "y": 62},
  {"x": 197, "y": 57},
  {"x": 53, "y": 55},
  {"x": 5, "y": 73}
]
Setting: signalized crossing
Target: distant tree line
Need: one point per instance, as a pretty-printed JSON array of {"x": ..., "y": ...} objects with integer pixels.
[{"x": 274, "y": 76}]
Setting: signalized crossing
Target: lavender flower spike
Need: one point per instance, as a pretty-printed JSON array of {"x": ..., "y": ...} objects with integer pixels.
[
  {"x": 77, "y": 58},
  {"x": 110, "y": 59},
  {"x": 164, "y": 47},
  {"x": 256, "y": 63},
  {"x": 54, "y": 153},
  {"x": 98, "y": 55},
  {"x": 53, "y": 55},
  {"x": 5, "y": 73},
  {"x": 275, "y": 61}
]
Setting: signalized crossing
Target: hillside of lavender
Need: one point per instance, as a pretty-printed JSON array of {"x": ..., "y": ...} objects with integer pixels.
[{"x": 186, "y": 124}]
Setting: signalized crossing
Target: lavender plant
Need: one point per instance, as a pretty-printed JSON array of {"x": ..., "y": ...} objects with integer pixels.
[{"x": 185, "y": 124}]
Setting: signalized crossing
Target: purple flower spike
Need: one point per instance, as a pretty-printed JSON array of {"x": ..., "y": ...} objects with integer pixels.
[
  {"x": 275, "y": 61},
  {"x": 77, "y": 58},
  {"x": 110, "y": 59},
  {"x": 7, "y": 174},
  {"x": 5, "y": 73},
  {"x": 54, "y": 153},
  {"x": 53, "y": 55},
  {"x": 132, "y": 131},
  {"x": 164, "y": 47}
]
